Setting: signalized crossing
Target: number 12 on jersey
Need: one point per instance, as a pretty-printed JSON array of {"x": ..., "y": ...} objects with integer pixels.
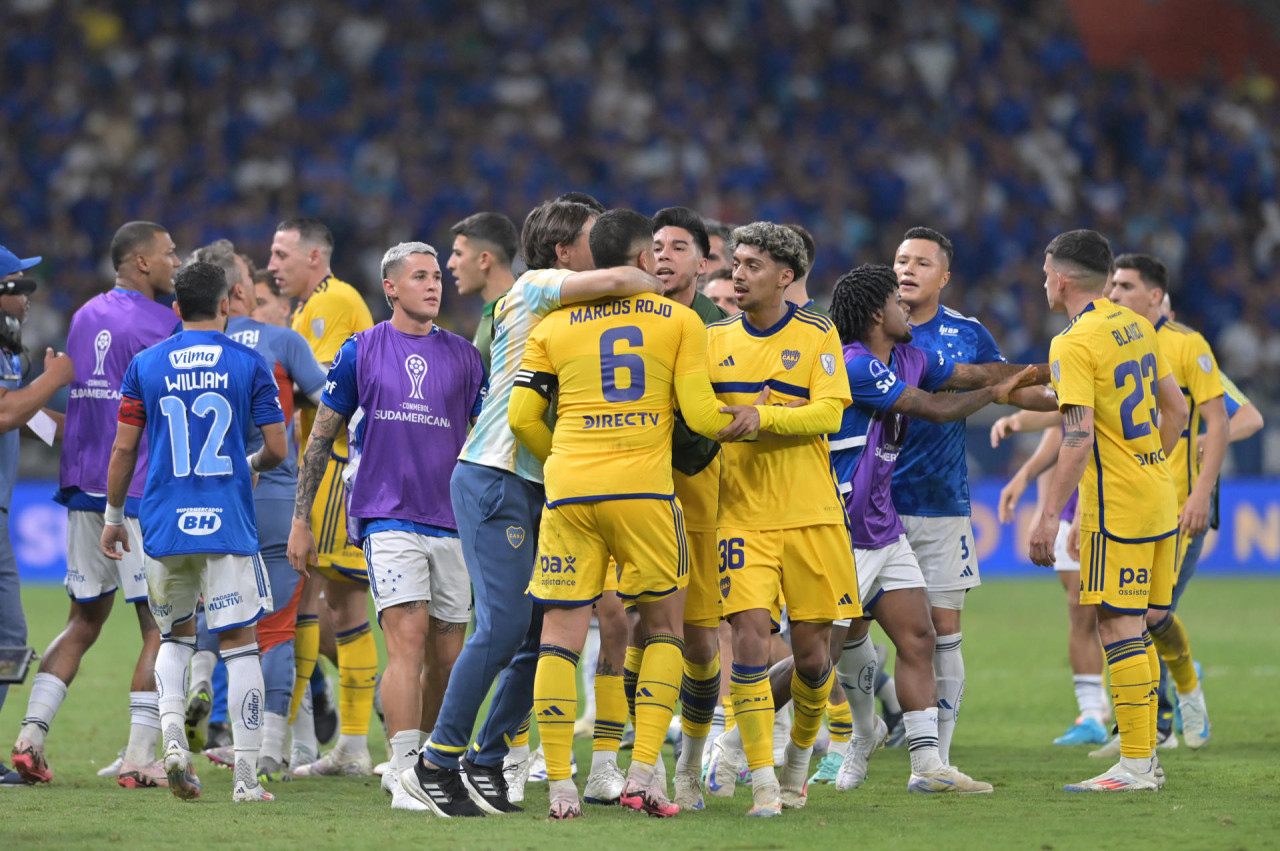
[{"x": 210, "y": 462}]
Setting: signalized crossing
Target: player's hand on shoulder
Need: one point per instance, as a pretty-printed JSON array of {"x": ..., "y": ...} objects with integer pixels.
[
  {"x": 301, "y": 550},
  {"x": 1043, "y": 535},
  {"x": 58, "y": 366},
  {"x": 111, "y": 536}
]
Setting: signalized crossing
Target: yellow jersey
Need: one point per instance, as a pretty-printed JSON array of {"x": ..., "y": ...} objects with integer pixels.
[
  {"x": 1196, "y": 371},
  {"x": 615, "y": 362},
  {"x": 778, "y": 481},
  {"x": 333, "y": 312},
  {"x": 1107, "y": 359}
]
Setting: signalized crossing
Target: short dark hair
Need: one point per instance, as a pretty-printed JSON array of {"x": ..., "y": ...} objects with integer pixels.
[
  {"x": 549, "y": 224},
  {"x": 130, "y": 238},
  {"x": 262, "y": 276},
  {"x": 199, "y": 288},
  {"x": 615, "y": 235},
  {"x": 309, "y": 230},
  {"x": 1152, "y": 272},
  {"x": 718, "y": 228},
  {"x": 932, "y": 235},
  {"x": 685, "y": 219},
  {"x": 720, "y": 274},
  {"x": 584, "y": 199},
  {"x": 810, "y": 247},
  {"x": 496, "y": 230},
  {"x": 858, "y": 295},
  {"x": 1086, "y": 249}
]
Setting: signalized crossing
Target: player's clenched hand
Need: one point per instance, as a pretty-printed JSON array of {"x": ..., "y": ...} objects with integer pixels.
[
  {"x": 1003, "y": 427},
  {"x": 1009, "y": 496},
  {"x": 1022, "y": 379},
  {"x": 1042, "y": 537},
  {"x": 301, "y": 550},
  {"x": 1195, "y": 515},
  {"x": 112, "y": 535}
]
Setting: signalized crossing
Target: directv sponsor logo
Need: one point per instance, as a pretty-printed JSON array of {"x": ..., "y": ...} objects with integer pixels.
[
  {"x": 199, "y": 521},
  {"x": 195, "y": 357},
  {"x": 631, "y": 419}
]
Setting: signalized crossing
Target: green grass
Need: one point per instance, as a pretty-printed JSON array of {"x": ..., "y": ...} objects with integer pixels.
[{"x": 1018, "y": 697}]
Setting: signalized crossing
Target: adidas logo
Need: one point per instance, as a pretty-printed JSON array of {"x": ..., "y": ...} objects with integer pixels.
[
  {"x": 727, "y": 361},
  {"x": 552, "y": 712},
  {"x": 845, "y": 601},
  {"x": 967, "y": 572},
  {"x": 643, "y": 692}
]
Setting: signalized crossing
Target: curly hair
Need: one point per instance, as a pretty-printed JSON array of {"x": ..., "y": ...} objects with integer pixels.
[
  {"x": 780, "y": 242},
  {"x": 858, "y": 296}
]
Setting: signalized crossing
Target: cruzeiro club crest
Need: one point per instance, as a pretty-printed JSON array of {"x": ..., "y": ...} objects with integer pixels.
[
  {"x": 416, "y": 366},
  {"x": 790, "y": 357},
  {"x": 515, "y": 536},
  {"x": 101, "y": 345}
]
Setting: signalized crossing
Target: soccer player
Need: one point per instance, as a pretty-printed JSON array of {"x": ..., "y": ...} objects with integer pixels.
[
  {"x": 1140, "y": 285},
  {"x": 484, "y": 247},
  {"x": 892, "y": 381},
  {"x": 291, "y": 363},
  {"x": 719, "y": 288},
  {"x": 328, "y": 312},
  {"x": 196, "y": 394},
  {"x": 104, "y": 336},
  {"x": 270, "y": 306},
  {"x": 610, "y": 493},
  {"x": 931, "y": 481},
  {"x": 497, "y": 497},
  {"x": 719, "y": 257},
  {"x": 798, "y": 290},
  {"x": 1110, "y": 381},
  {"x": 412, "y": 389},
  {"x": 781, "y": 522}
]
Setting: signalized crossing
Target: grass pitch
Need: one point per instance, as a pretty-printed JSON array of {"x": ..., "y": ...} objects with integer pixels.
[{"x": 1018, "y": 697}]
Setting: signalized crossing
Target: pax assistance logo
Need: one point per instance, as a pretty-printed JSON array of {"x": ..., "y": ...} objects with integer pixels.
[
  {"x": 790, "y": 357},
  {"x": 515, "y": 536}
]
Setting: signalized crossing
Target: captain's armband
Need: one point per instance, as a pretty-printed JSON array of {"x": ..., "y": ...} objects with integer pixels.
[{"x": 544, "y": 383}]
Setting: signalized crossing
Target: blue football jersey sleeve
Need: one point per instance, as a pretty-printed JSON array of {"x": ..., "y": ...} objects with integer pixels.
[
  {"x": 872, "y": 384},
  {"x": 341, "y": 392},
  {"x": 937, "y": 370},
  {"x": 301, "y": 364}
]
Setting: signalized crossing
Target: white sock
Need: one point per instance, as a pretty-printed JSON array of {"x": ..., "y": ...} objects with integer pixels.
[
  {"x": 303, "y": 728},
  {"x": 590, "y": 658},
  {"x": 1090, "y": 696},
  {"x": 782, "y": 727},
  {"x": 887, "y": 694},
  {"x": 144, "y": 727},
  {"x": 423, "y": 738},
  {"x": 47, "y": 694},
  {"x": 244, "y": 705},
  {"x": 275, "y": 730},
  {"x": 601, "y": 759},
  {"x": 691, "y": 749},
  {"x": 733, "y": 738},
  {"x": 764, "y": 775},
  {"x": 173, "y": 666},
  {"x": 838, "y": 748},
  {"x": 517, "y": 755},
  {"x": 404, "y": 749},
  {"x": 948, "y": 673},
  {"x": 717, "y": 722},
  {"x": 202, "y": 665},
  {"x": 922, "y": 739},
  {"x": 856, "y": 672},
  {"x": 351, "y": 743}
]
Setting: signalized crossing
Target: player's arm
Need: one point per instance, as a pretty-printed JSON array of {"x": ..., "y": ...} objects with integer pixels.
[
  {"x": 949, "y": 407},
  {"x": 971, "y": 376},
  {"x": 124, "y": 459},
  {"x": 302, "y": 543},
  {"x": 1195, "y": 514},
  {"x": 1025, "y": 421},
  {"x": 1173, "y": 412},
  {"x": 1036, "y": 399},
  {"x": 18, "y": 406},
  {"x": 273, "y": 451},
  {"x": 530, "y": 399},
  {"x": 1073, "y": 457},
  {"x": 1245, "y": 422},
  {"x": 1045, "y": 456},
  {"x": 616, "y": 282}
]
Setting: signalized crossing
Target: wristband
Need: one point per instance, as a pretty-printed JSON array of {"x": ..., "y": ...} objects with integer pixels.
[
  {"x": 114, "y": 515},
  {"x": 254, "y": 460}
]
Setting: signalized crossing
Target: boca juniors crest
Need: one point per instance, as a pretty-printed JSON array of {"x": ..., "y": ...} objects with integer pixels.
[
  {"x": 790, "y": 357},
  {"x": 515, "y": 536}
]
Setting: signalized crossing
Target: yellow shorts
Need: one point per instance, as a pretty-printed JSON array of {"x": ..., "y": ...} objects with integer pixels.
[
  {"x": 1167, "y": 569},
  {"x": 703, "y": 606},
  {"x": 812, "y": 566},
  {"x": 338, "y": 559},
  {"x": 1125, "y": 578},
  {"x": 646, "y": 537}
]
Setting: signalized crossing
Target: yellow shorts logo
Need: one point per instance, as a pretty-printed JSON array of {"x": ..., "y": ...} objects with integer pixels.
[{"x": 515, "y": 536}]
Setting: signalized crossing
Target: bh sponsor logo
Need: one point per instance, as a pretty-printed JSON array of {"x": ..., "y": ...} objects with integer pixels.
[{"x": 199, "y": 521}]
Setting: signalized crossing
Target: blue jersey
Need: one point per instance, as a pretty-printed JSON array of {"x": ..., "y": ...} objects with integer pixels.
[
  {"x": 290, "y": 360},
  {"x": 932, "y": 476},
  {"x": 199, "y": 395}
]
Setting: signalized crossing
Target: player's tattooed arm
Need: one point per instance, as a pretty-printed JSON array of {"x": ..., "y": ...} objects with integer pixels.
[
  {"x": 1077, "y": 425},
  {"x": 971, "y": 376},
  {"x": 329, "y": 423},
  {"x": 1073, "y": 457}
]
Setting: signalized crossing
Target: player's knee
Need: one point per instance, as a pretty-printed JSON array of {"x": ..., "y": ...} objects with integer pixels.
[{"x": 812, "y": 662}]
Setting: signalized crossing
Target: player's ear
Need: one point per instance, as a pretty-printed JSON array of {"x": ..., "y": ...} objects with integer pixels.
[
  {"x": 177, "y": 311},
  {"x": 388, "y": 290},
  {"x": 484, "y": 261}
]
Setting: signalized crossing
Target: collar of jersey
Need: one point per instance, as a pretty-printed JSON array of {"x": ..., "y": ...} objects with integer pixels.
[
  {"x": 1160, "y": 324},
  {"x": 777, "y": 326},
  {"x": 1090, "y": 306},
  {"x": 937, "y": 316}
]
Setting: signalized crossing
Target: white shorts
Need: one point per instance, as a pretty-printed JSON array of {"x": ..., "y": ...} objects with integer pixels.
[
  {"x": 890, "y": 568},
  {"x": 405, "y": 567},
  {"x": 1062, "y": 562},
  {"x": 235, "y": 589},
  {"x": 948, "y": 557},
  {"x": 90, "y": 574}
]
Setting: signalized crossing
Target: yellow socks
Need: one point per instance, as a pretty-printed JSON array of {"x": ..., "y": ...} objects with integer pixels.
[
  {"x": 1131, "y": 692},
  {"x": 306, "y": 647},
  {"x": 555, "y": 704},
  {"x": 809, "y": 697},
  {"x": 839, "y": 718},
  {"x": 1170, "y": 638},
  {"x": 699, "y": 694},
  {"x": 521, "y": 739},
  {"x": 656, "y": 694},
  {"x": 753, "y": 709},
  {"x": 357, "y": 672},
  {"x": 611, "y": 713},
  {"x": 730, "y": 720},
  {"x": 1153, "y": 663},
  {"x": 630, "y": 676}
]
